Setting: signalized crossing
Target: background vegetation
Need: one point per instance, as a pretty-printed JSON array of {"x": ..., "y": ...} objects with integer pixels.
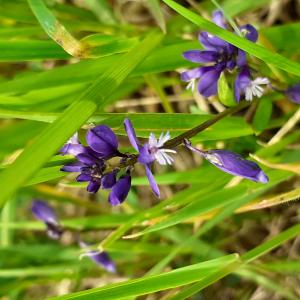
[{"x": 67, "y": 65}]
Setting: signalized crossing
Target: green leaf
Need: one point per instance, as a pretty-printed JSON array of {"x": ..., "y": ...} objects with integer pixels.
[
  {"x": 151, "y": 284},
  {"x": 30, "y": 50},
  {"x": 156, "y": 11},
  {"x": 55, "y": 30},
  {"x": 220, "y": 199},
  {"x": 102, "y": 10},
  {"x": 74, "y": 116},
  {"x": 174, "y": 123},
  {"x": 162, "y": 59},
  {"x": 246, "y": 258},
  {"x": 256, "y": 50},
  {"x": 263, "y": 114},
  {"x": 225, "y": 94}
]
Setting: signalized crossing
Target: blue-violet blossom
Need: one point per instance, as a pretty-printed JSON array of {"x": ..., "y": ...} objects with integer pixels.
[
  {"x": 293, "y": 93},
  {"x": 149, "y": 152},
  {"x": 99, "y": 257},
  {"x": 92, "y": 161},
  {"x": 232, "y": 163},
  {"x": 220, "y": 56},
  {"x": 42, "y": 211}
]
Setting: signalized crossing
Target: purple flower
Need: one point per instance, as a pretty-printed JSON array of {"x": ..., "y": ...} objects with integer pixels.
[
  {"x": 73, "y": 146},
  {"x": 103, "y": 141},
  {"x": 99, "y": 257},
  {"x": 232, "y": 163},
  {"x": 149, "y": 152},
  {"x": 120, "y": 190},
  {"x": 248, "y": 88},
  {"x": 251, "y": 34},
  {"x": 220, "y": 55},
  {"x": 42, "y": 211},
  {"x": 102, "y": 144},
  {"x": 293, "y": 93}
]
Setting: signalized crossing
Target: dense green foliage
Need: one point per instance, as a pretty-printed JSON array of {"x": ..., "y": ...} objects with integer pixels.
[{"x": 68, "y": 65}]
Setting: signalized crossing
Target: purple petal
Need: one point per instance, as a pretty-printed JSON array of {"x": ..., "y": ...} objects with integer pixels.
[
  {"x": 72, "y": 149},
  {"x": 108, "y": 180},
  {"x": 235, "y": 164},
  {"x": 211, "y": 42},
  {"x": 131, "y": 134},
  {"x": 87, "y": 159},
  {"x": 73, "y": 167},
  {"x": 241, "y": 82},
  {"x": 84, "y": 177},
  {"x": 198, "y": 56},
  {"x": 102, "y": 140},
  {"x": 103, "y": 259},
  {"x": 191, "y": 74},
  {"x": 120, "y": 190},
  {"x": 251, "y": 33},
  {"x": 293, "y": 93},
  {"x": 241, "y": 59},
  {"x": 145, "y": 156},
  {"x": 218, "y": 18},
  {"x": 152, "y": 181},
  {"x": 208, "y": 84},
  {"x": 44, "y": 212},
  {"x": 93, "y": 186}
]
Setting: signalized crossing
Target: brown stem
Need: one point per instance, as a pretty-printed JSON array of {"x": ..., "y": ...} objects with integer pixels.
[{"x": 194, "y": 131}]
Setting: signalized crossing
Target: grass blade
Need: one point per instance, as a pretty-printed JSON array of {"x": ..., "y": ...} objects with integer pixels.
[{"x": 49, "y": 141}]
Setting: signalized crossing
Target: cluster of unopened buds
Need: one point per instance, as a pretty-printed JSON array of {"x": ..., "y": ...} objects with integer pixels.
[{"x": 220, "y": 57}]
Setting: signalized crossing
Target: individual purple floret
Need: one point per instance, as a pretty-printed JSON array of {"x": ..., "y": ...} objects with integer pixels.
[
  {"x": 232, "y": 163},
  {"x": 103, "y": 141},
  {"x": 149, "y": 152},
  {"x": 120, "y": 190},
  {"x": 248, "y": 88},
  {"x": 99, "y": 257},
  {"x": 293, "y": 93},
  {"x": 42, "y": 211}
]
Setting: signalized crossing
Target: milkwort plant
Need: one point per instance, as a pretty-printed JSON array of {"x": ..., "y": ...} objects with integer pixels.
[
  {"x": 93, "y": 162},
  {"x": 69, "y": 63}
]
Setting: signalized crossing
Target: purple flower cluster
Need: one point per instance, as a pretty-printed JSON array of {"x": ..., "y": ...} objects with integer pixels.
[
  {"x": 45, "y": 213},
  {"x": 221, "y": 56},
  {"x": 94, "y": 160}
]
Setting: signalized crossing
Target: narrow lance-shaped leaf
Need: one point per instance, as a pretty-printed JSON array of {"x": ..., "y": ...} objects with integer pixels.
[
  {"x": 150, "y": 284},
  {"x": 56, "y": 30},
  {"x": 49, "y": 141},
  {"x": 156, "y": 11}
]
